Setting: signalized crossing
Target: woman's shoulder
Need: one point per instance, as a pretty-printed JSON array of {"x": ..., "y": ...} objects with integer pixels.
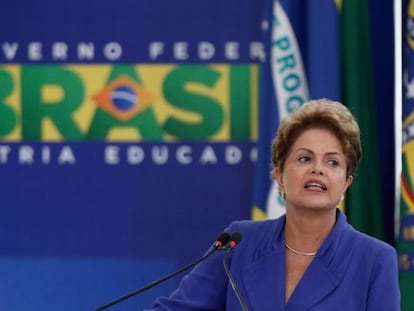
[
  {"x": 348, "y": 239},
  {"x": 366, "y": 244}
]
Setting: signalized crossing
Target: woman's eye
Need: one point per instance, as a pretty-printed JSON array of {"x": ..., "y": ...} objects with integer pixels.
[
  {"x": 333, "y": 163},
  {"x": 304, "y": 159}
]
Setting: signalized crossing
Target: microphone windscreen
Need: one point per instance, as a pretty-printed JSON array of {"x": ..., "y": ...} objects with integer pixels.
[
  {"x": 236, "y": 237},
  {"x": 223, "y": 238}
]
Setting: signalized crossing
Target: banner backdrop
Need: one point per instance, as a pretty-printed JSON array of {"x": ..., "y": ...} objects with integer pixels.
[
  {"x": 406, "y": 212},
  {"x": 128, "y": 133},
  {"x": 127, "y": 143}
]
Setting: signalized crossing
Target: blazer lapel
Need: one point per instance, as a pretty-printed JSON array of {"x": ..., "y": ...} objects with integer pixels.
[
  {"x": 264, "y": 281},
  {"x": 317, "y": 282},
  {"x": 325, "y": 272}
]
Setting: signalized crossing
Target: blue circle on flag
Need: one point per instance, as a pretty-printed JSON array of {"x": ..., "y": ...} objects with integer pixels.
[{"x": 124, "y": 98}]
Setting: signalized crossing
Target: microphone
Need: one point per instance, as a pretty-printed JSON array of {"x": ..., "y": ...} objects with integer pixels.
[
  {"x": 235, "y": 239},
  {"x": 221, "y": 241}
]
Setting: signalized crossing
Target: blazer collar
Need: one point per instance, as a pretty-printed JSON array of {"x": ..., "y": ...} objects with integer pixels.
[
  {"x": 265, "y": 277},
  {"x": 264, "y": 281}
]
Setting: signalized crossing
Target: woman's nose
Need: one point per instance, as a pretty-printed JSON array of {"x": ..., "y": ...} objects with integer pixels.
[{"x": 317, "y": 169}]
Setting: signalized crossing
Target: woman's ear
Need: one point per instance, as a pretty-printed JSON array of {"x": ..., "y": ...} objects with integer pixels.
[
  {"x": 348, "y": 181},
  {"x": 277, "y": 176}
]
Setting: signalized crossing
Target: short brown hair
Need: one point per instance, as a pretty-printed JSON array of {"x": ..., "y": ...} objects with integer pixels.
[{"x": 321, "y": 113}]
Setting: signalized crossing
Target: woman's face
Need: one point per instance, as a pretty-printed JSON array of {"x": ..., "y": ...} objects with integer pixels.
[{"x": 314, "y": 174}]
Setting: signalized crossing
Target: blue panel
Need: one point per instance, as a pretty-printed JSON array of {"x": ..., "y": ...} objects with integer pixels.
[
  {"x": 133, "y": 24},
  {"x": 94, "y": 209},
  {"x": 68, "y": 284}
]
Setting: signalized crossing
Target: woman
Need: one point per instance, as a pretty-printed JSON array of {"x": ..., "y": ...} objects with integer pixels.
[{"x": 310, "y": 258}]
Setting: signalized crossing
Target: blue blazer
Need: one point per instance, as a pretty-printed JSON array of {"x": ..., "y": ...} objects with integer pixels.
[{"x": 351, "y": 272}]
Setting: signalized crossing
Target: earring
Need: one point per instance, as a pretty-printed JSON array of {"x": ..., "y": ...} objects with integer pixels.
[{"x": 281, "y": 192}]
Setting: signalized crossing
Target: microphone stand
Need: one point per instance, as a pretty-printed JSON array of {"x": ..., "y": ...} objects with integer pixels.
[
  {"x": 232, "y": 282},
  {"x": 156, "y": 282}
]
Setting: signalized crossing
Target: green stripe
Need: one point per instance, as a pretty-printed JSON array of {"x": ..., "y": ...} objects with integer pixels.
[
  {"x": 240, "y": 102},
  {"x": 363, "y": 202}
]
